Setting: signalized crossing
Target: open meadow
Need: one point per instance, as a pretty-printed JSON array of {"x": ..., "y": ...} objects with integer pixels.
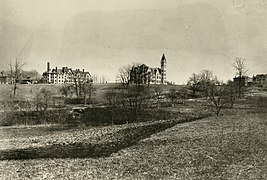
[
  {"x": 28, "y": 91},
  {"x": 225, "y": 147},
  {"x": 230, "y": 146}
]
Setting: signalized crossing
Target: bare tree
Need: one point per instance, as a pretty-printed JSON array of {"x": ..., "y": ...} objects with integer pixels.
[
  {"x": 113, "y": 98},
  {"x": 207, "y": 79},
  {"x": 232, "y": 93},
  {"x": 77, "y": 85},
  {"x": 42, "y": 102},
  {"x": 15, "y": 72},
  {"x": 103, "y": 80},
  {"x": 194, "y": 83},
  {"x": 87, "y": 90},
  {"x": 241, "y": 69},
  {"x": 158, "y": 93},
  {"x": 134, "y": 96},
  {"x": 94, "y": 78},
  {"x": 124, "y": 75},
  {"x": 65, "y": 90},
  {"x": 137, "y": 97},
  {"x": 218, "y": 98},
  {"x": 240, "y": 66},
  {"x": 173, "y": 95}
]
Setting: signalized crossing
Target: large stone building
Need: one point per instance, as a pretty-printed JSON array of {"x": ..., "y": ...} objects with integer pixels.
[
  {"x": 243, "y": 81},
  {"x": 260, "y": 80},
  {"x": 65, "y": 75},
  {"x": 144, "y": 74}
]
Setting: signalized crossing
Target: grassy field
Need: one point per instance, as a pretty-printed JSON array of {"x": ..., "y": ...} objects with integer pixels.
[
  {"x": 27, "y": 91},
  {"x": 49, "y": 141},
  {"x": 225, "y": 147},
  {"x": 231, "y": 146}
]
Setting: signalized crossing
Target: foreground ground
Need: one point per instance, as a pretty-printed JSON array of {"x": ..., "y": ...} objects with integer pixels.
[
  {"x": 227, "y": 147},
  {"x": 231, "y": 146}
]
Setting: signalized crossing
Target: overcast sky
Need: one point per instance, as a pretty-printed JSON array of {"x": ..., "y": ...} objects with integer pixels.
[{"x": 103, "y": 35}]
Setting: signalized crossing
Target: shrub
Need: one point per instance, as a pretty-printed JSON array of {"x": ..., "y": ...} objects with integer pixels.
[
  {"x": 33, "y": 117},
  {"x": 119, "y": 115},
  {"x": 74, "y": 101}
]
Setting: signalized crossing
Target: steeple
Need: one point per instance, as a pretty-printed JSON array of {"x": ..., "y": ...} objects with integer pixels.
[{"x": 163, "y": 57}]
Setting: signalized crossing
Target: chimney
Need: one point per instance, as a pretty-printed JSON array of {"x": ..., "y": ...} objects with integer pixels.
[
  {"x": 48, "y": 66},
  {"x": 56, "y": 69},
  {"x": 83, "y": 70}
]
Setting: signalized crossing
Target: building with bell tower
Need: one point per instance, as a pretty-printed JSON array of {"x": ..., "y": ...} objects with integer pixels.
[{"x": 147, "y": 75}]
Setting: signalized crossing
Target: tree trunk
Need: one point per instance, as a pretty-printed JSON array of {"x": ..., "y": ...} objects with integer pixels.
[
  {"x": 85, "y": 99},
  {"x": 14, "y": 89}
]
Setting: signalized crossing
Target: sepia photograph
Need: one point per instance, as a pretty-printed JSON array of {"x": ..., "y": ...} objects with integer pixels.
[{"x": 133, "y": 89}]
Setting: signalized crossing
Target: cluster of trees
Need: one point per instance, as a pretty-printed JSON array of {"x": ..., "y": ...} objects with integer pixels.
[
  {"x": 44, "y": 107},
  {"x": 130, "y": 100},
  {"x": 99, "y": 79},
  {"x": 202, "y": 81},
  {"x": 44, "y": 102},
  {"x": 82, "y": 89},
  {"x": 219, "y": 95},
  {"x": 33, "y": 74},
  {"x": 136, "y": 96},
  {"x": 15, "y": 69}
]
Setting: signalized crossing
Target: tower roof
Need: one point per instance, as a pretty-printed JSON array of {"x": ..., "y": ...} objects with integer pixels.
[{"x": 163, "y": 57}]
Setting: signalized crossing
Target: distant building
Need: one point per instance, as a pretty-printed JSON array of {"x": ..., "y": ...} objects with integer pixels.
[
  {"x": 144, "y": 74},
  {"x": 260, "y": 80},
  {"x": 6, "y": 78},
  {"x": 243, "y": 81},
  {"x": 3, "y": 79},
  {"x": 28, "y": 80},
  {"x": 65, "y": 75}
]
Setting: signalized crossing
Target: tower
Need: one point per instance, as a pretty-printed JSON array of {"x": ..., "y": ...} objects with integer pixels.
[
  {"x": 163, "y": 62},
  {"x": 48, "y": 67}
]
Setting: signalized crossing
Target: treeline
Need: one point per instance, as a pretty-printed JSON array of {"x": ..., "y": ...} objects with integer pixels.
[
  {"x": 129, "y": 101},
  {"x": 219, "y": 95},
  {"x": 123, "y": 105},
  {"x": 42, "y": 109}
]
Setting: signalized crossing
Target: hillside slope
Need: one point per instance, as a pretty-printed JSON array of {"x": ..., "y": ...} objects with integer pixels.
[{"x": 227, "y": 147}]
